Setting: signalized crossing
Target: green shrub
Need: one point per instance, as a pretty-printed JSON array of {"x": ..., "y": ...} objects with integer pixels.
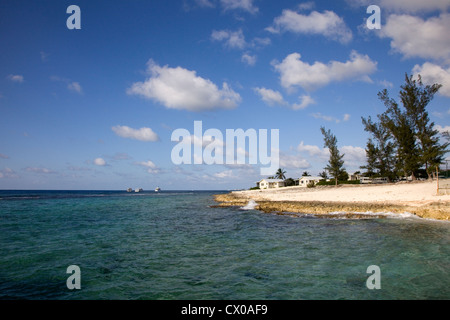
[
  {"x": 311, "y": 184},
  {"x": 332, "y": 182}
]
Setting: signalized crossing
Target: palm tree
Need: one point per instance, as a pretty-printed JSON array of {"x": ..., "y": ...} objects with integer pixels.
[{"x": 280, "y": 174}]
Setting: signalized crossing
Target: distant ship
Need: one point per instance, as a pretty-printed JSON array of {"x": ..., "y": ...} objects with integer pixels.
[
  {"x": 157, "y": 189},
  {"x": 129, "y": 190},
  {"x": 139, "y": 190}
]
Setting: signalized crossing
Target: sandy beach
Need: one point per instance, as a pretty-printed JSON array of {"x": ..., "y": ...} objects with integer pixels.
[{"x": 419, "y": 198}]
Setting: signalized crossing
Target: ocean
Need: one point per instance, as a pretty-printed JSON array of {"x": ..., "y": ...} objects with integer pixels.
[{"x": 174, "y": 245}]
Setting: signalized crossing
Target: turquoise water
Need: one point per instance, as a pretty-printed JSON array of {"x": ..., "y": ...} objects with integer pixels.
[{"x": 173, "y": 245}]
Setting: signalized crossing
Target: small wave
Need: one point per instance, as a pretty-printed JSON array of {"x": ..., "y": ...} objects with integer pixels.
[
  {"x": 370, "y": 214},
  {"x": 349, "y": 215},
  {"x": 404, "y": 215},
  {"x": 250, "y": 205},
  {"x": 19, "y": 197}
]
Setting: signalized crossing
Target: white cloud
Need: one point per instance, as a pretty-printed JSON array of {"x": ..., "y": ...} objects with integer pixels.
[
  {"x": 260, "y": 42},
  {"x": 16, "y": 78},
  {"x": 314, "y": 151},
  {"x": 248, "y": 59},
  {"x": 270, "y": 96},
  {"x": 294, "y": 72},
  {"x": 306, "y": 5},
  {"x": 245, "y": 5},
  {"x": 386, "y": 84},
  {"x": 182, "y": 89},
  {"x": 71, "y": 85},
  {"x": 293, "y": 162},
  {"x": 232, "y": 39},
  {"x": 441, "y": 114},
  {"x": 75, "y": 86},
  {"x": 318, "y": 115},
  {"x": 353, "y": 156},
  {"x": 415, "y": 5},
  {"x": 78, "y": 169},
  {"x": 442, "y": 129},
  {"x": 224, "y": 174},
  {"x": 305, "y": 101},
  {"x": 328, "y": 24},
  {"x": 150, "y": 166},
  {"x": 236, "y": 40},
  {"x": 222, "y": 149},
  {"x": 44, "y": 56},
  {"x": 346, "y": 117},
  {"x": 415, "y": 37},
  {"x": 202, "y": 141},
  {"x": 121, "y": 156},
  {"x": 100, "y": 162},
  {"x": 142, "y": 134},
  {"x": 39, "y": 170},
  {"x": 432, "y": 73},
  {"x": 8, "y": 173},
  {"x": 205, "y": 3}
]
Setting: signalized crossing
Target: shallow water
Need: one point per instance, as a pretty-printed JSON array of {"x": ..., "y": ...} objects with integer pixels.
[{"x": 173, "y": 245}]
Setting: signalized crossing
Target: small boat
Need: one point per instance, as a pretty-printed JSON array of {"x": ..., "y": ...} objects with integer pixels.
[
  {"x": 157, "y": 189},
  {"x": 129, "y": 190},
  {"x": 138, "y": 190}
]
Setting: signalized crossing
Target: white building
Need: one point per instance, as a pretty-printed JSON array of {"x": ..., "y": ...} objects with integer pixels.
[
  {"x": 303, "y": 181},
  {"x": 354, "y": 176},
  {"x": 270, "y": 183},
  {"x": 366, "y": 180}
]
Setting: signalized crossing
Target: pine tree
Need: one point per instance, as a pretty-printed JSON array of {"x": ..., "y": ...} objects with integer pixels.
[
  {"x": 372, "y": 154},
  {"x": 415, "y": 97},
  {"x": 416, "y": 140},
  {"x": 335, "y": 163},
  {"x": 380, "y": 149},
  {"x": 402, "y": 130}
]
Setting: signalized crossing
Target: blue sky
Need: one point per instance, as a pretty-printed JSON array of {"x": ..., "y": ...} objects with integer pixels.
[{"x": 95, "y": 108}]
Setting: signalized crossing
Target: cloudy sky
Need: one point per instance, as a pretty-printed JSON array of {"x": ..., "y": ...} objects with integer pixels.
[{"x": 95, "y": 108}]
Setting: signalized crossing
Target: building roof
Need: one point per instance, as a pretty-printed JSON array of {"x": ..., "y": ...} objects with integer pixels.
[
  {"x": 311, "y": 178},
  {"x": 272, "y": 180}
]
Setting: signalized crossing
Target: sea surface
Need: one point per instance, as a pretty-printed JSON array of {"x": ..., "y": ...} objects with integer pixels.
[{"x": 174, "y": 245}]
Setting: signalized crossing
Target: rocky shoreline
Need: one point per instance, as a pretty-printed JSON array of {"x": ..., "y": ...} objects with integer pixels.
[{"x": 439, "y": 210}]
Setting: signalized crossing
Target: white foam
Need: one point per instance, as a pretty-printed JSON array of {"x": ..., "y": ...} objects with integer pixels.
[
  {"x": 250, "y": 205},
  {"x": 404, "y": 215}
]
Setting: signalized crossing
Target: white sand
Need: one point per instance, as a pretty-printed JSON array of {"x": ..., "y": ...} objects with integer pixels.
[{"x": 417, "y": 193}]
